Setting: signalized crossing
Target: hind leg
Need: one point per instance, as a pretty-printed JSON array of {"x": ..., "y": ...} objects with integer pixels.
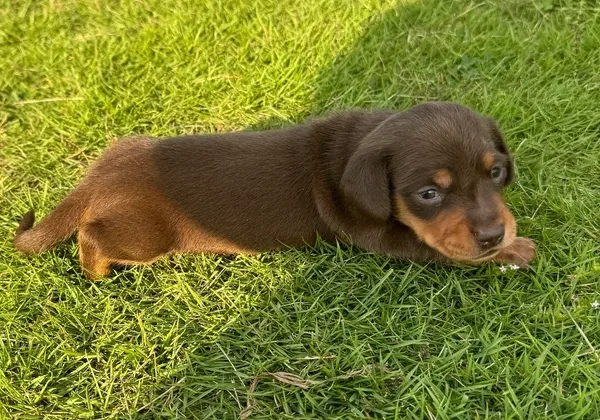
[
  {"x": 125, "y": 237},
  {"x": 94, "y": 264}
]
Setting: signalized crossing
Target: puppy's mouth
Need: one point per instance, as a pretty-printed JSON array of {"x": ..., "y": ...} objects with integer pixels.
[
  {"x": 490, "y": 253},
  {"x": 458, "y": 251}
]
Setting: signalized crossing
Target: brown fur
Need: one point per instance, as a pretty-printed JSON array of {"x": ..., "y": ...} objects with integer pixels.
[{"x": 352, "y": 176}]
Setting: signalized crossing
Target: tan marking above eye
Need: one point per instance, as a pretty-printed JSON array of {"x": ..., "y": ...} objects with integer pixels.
[
  {"x": 489, "y": 159},
  {"x": 443, "y": 178}
]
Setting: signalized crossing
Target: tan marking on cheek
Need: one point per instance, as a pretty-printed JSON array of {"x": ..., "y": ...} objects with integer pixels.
[
  {"x": 510, "y": 224},
  {"x": 448, "y": 233},
  {"x": 443, "y": 178},
  {"x": 488, "y": 160},
  {"x": 409, "y": 219}
]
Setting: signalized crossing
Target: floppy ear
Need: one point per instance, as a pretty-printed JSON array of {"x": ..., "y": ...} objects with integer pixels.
[
  {"x": 365, "y": 182},
  {"x": 501, "y": 146}
]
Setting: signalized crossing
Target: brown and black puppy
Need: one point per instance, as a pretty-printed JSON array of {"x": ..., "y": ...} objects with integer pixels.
[{"x": 423, "y": 184}]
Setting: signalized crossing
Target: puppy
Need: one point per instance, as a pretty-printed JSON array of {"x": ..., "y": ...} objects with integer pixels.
[{"x": 424, "y": 184}]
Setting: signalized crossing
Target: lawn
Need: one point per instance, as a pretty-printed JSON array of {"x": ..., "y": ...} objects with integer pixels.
[{"x": 330, "y": 331}]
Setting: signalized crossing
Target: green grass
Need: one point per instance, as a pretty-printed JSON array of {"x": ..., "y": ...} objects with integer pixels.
[{"x": 370, "y": 336}]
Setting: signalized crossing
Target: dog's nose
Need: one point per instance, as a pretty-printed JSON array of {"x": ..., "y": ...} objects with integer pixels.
[{"x": 490, "y": 236}]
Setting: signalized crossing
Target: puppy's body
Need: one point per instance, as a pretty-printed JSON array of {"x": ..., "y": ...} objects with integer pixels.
[{"x": 249, "y": 192}]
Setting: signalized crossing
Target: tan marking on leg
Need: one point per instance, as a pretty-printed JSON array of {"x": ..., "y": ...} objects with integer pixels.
[{"x": 92, "y": 262}]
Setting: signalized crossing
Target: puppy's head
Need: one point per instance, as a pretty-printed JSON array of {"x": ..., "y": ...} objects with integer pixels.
[{"x": 439, "y": 168}]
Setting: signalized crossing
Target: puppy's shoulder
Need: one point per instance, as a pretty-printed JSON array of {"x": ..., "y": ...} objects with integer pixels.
[
  {"x": 355, "y": 123},
  {"x": 128, "y": 144}
]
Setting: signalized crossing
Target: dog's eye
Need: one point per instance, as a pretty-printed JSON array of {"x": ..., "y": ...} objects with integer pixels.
[
  {"x": 497, "y": 172},
  {"x": 430, "y": 194}
]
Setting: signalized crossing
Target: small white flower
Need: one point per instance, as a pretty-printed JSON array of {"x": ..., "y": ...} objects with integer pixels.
[
  {"x": 595, "y": 304},
  {"x": 514, "y": 267},
  {"x": 503, "y": 268}
]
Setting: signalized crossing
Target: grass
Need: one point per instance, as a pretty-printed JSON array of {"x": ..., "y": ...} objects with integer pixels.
[{"x": 364, "y": 335}]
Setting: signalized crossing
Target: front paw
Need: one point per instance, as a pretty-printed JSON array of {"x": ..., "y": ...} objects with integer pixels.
[{"x": 521, "y": 252}]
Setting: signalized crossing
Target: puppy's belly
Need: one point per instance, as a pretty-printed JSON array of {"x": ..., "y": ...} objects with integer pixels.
[{"x": 239, "y": 238}]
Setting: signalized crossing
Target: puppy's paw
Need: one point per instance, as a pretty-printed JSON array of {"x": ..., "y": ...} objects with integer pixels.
[{"x": 521, "y": 252}]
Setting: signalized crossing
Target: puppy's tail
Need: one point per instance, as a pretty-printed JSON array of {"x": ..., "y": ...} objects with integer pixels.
[{"x": 54, "y": 228}]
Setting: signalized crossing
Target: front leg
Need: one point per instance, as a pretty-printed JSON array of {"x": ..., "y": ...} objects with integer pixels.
[{"x": 521, "y": 252}]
